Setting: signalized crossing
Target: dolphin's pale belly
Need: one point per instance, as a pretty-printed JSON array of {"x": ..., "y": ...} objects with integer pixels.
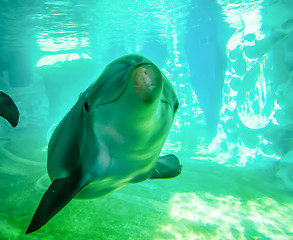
[
  {"x": 117, "y": 178},
  {"x": 119, "y": 169},
  {"x": 128, "y": 153}
]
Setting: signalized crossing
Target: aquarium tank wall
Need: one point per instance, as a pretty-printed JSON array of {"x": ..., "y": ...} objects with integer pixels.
[{"x": 231, "y": 66}]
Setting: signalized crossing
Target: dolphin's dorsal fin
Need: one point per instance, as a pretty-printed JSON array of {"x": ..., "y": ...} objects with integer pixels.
[
  {"x": 60, "y": 192},
  {"x": 8, "y": 109}
]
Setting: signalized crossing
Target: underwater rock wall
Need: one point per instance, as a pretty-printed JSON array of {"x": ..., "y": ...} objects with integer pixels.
[
  {"x": 255, "y": 125},
  {"x": 256, "y": 116}
]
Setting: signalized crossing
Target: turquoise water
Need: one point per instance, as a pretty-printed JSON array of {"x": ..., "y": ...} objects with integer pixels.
[{"x": 231, "y": 65}]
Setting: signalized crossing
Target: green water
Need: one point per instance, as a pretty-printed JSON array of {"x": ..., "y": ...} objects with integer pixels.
[{"x": 237, "y": 180}]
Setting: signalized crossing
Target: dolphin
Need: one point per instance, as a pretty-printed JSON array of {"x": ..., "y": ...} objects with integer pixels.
[
  {"x": 8, "y": 109},
  {"x": 112, "y": 136}
]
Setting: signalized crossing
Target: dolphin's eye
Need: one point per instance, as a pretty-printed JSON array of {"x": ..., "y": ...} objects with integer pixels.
[{"x": 86, "y": 107}]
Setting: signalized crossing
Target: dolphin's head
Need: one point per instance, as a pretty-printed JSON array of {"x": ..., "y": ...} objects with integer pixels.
[{"x": 132, "y": 76}]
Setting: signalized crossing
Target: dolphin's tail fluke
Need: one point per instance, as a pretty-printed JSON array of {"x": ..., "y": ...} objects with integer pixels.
[
  {"x": 8, "y": 109},
  {"x": 60, "y": 192},
  {"x": 168, "y": 166}
]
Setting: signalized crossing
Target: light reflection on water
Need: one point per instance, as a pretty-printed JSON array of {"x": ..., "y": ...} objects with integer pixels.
[{"x": 208, "y": 216}]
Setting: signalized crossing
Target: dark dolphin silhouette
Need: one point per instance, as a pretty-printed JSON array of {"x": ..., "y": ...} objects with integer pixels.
[{"x": 8, "y": 109}]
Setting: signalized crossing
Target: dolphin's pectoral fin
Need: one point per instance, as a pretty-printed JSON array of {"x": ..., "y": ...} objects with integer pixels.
[
  {"x": 8, "y": 109},
  {"x": 60, "y": 192},
  {"x": 167, "y": 167}
]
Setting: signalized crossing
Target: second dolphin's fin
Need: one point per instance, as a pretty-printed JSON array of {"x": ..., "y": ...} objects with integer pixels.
[{"x": 8, "y": 109}]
